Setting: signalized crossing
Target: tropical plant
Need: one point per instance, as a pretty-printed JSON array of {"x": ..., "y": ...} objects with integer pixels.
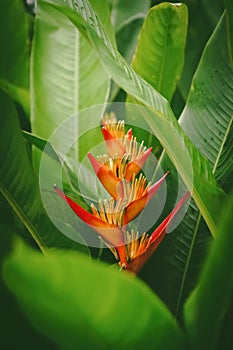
[{"x": 155, "y": 82}]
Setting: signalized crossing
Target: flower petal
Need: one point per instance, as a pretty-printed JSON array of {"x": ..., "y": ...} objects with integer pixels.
[
  {"x": 157, "y": 236},
  {"x": 109, "y": 232},
  {"x": 114, "y": 145},
  {"x": 135, "y": 207},
  {"x": 136, "y": 164},
  {"x": 110, "y": 182}
]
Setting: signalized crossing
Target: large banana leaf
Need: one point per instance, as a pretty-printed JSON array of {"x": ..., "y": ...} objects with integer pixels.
[
  {"x": 208, "y": 115},
  {"x": 163, "y": 123},
  {"x": 206, "y": 307},
  {"x": 207, "y": 119},
  {"x": 159, "y": 55},
  {"x": 66, "y": 73},
  {"x": 19, "y": 184},
  {"x": 15, "y": 50},
  {"x": 84, "y": 305}
]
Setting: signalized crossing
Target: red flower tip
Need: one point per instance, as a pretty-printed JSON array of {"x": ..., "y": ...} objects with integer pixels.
[{"x": 163, "y": 226}]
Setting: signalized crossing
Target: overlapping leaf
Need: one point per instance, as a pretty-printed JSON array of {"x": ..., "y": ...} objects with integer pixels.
[
  {"x": 18, "y": 183},
  {"x": 207, "y": 119},
  {"x": 127, "y": 19},
  {"x": 163, "y": 124},
  {"x": 79, "y": 304}
]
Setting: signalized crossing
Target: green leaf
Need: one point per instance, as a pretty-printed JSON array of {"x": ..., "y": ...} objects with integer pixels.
[
  {"x": 205, "y": 309},
  {"x": 229, "y": 14},
  {"x": 160, "y": 119},
  {"x": 203, "y": 18},
  {"x": 207, "y": 119},
  {"x": 127, "y": 19},
  {"x": 66, "y": 73},
  {"x": 18, "y": 94},
  {"x": 41, "y": 144},
  {"x": 19, "y": 184},
  {"x": 81, "y": 304},
  {"x": 14, "y": 58},
  {"x": 14, "y": 41},
  {"x": 208, "y": 115},
  {"x": 159, "y": 55},
  {"x": 124, "y": 12}
]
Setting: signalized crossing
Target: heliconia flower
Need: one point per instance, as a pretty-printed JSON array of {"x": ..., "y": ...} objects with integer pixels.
[
  {"x": 109, "y": 231},
  {"x": 111, "y": 171},
  {"x": 117, "y": 172}
]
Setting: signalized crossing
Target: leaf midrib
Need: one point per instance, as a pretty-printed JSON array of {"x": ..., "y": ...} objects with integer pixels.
[{"x": 162, "y": 62}]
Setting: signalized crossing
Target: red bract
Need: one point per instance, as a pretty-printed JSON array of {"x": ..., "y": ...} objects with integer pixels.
[{"x": 110, "y": 232}]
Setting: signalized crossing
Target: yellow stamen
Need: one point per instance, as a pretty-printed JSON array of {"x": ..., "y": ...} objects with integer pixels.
[
  {"x": 135, "y": 245},
  {"x": 110, "y": 211}
]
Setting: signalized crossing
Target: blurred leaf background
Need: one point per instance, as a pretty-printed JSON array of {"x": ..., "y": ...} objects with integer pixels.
[{"x": 51, "y": 67}]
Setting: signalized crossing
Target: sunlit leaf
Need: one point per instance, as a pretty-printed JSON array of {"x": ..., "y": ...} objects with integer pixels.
[
  {"x": 66, "y": 73},
  {"x": 159, "y": 55}
]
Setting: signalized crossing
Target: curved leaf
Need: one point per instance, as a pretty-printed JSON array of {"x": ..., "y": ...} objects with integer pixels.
[
  {"x": 127, "y": 18},
  {"x": 163, "y": 123},
  {"x": 19, "y": 185},
  {"x": 123, "y": 12},
  {"x": 107, "y": 309},
  {"x": 159, "y": 55},
  {"x": 208, "y": 115}
]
